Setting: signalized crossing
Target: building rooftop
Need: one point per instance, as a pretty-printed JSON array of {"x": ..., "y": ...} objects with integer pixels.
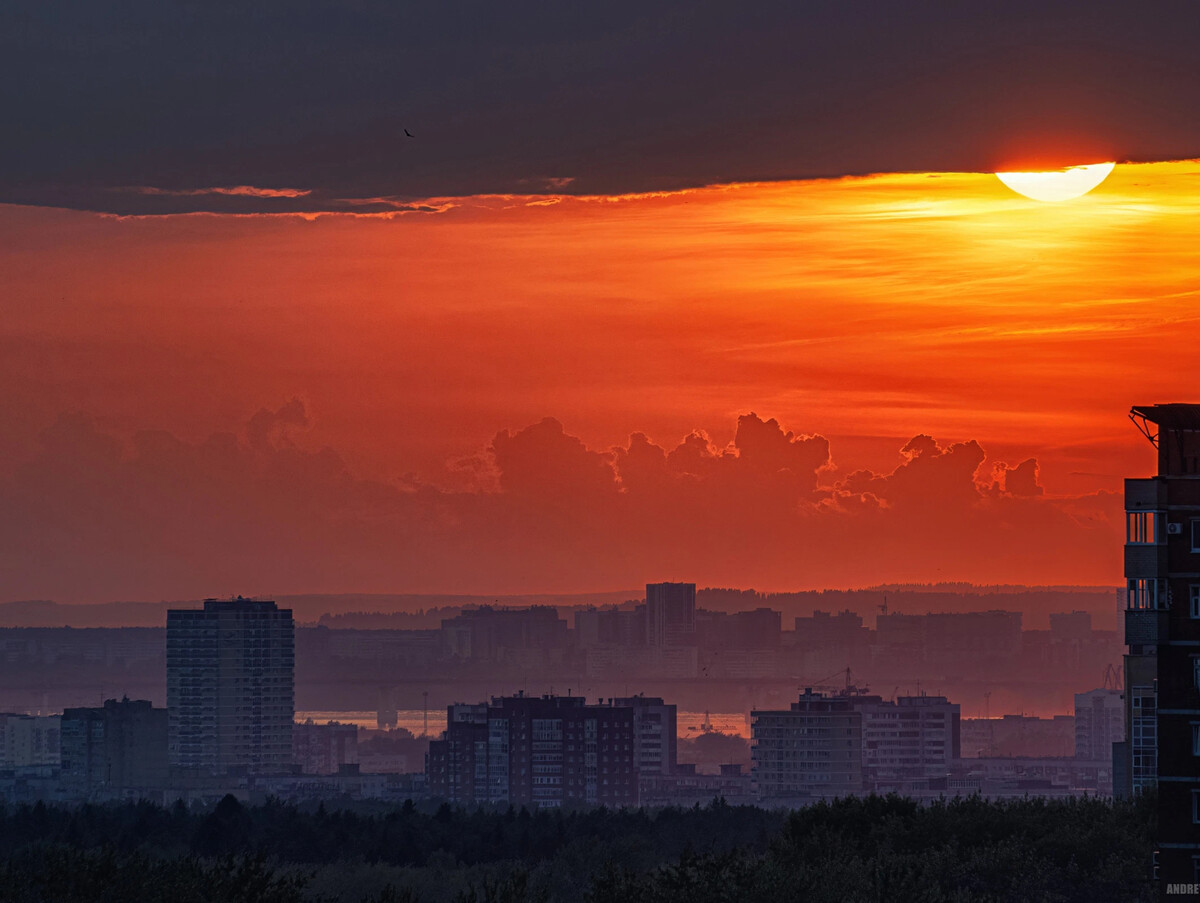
[{"x": 1169, "y": 416}]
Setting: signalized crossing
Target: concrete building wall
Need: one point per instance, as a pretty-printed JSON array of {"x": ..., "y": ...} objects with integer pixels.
[
  {"x": 1099, "y": 723},
  {"x": 28, "y": 740},
  {"x": 324, "y": 748},
  {"x": 912, "y": 737},
  {"x": 812, "y": 749},
  {"x": 537, "y": 751}
]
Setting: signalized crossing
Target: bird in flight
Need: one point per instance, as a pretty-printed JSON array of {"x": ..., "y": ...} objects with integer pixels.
[{"x": 410, "y": 134}]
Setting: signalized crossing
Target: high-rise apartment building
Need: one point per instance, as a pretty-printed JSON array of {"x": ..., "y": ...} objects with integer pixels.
[
  {"x": 1162, "y": 632},
  {"x": 655, "y": 734},
  {"x": 670, "y": 614},
  {"x": 813, "y": 749},
  {"x": 542, "y": 751},
  {"x": 231, "y": 687},
  {"x": 908, "y": 740},
  {"x": 838, "y": 745},
  {"x": 115, "y": 750},
  {"x": 457, "y": 764}
]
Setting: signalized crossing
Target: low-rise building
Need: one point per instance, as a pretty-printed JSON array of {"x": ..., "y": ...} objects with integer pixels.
[
  {"x": 29, "y": 740},
  {"x": 324, "y": 748}
]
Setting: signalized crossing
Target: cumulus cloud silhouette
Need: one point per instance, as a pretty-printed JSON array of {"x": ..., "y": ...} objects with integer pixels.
[
  {"x": 268, "y": 428},
  {"x": 928, "y": 476},
  {"x": 93, "y": 516},
  {"x": 542, "y": 461},
  {"x": 1021, "y": 480}
]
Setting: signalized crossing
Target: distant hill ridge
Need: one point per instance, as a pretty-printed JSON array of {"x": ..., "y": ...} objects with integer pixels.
[{"x": 426, "y": 610}]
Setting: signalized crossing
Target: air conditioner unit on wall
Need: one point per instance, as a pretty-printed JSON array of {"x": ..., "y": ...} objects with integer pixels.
[{"x": 1174, "y": 529}]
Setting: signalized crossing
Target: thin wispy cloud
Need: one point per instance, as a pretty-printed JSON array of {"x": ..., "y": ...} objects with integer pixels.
[{"x": 237, "y": 191}]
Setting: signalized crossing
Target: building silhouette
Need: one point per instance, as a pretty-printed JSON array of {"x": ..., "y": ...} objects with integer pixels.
[
  {"x": 909, "y": 741},
  {"x": 29, "y": 740},
  {"x": 812, "y": 749},
  {"x": 231, "y": 687},
  {"x": 1162, "y": 632},
  {"x": 324, "y": 748},
  {"x": 670, "y": 614},
  {"x": 549, "y": 751},
  {"x": 655, "y": 734},
  {"x": 826, "y": 746},
  {"x": 1099, "y": 723},
  {"x": 114, "y": 750},
  {"x": 498, "y": 635}
]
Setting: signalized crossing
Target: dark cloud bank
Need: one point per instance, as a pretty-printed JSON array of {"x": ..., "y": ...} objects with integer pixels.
[
  {"x": 92, "y": 516},
  {"x": 145, "y": 107}
]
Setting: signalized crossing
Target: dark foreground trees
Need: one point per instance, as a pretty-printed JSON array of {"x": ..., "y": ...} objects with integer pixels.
[{"x": 869, "y": 849}]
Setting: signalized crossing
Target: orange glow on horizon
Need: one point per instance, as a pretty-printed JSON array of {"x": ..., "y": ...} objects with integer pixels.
[{"x": 866, "y": 309}]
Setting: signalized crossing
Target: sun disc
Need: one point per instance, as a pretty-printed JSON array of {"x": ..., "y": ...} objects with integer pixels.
[{"x": 1058, "y": 185}]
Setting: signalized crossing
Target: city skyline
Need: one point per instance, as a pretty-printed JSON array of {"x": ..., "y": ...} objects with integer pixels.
[{"x": 361, "y": 362}]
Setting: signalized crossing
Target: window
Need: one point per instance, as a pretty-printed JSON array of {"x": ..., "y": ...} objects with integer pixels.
[
  {"x": 1143, "y": 527},
  {"x": 1196, "y": 671},
  {"x": 1196, "y": 534},
  {"x": 1196, "y": 807},
  {"x": 1196, "y": 738},
  {"x": 1194, "y": 595},
  {"x": 1147, "y": 594}
]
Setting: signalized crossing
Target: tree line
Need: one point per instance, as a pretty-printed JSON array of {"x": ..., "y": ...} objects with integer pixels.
[{"x": 857, "y": 849}]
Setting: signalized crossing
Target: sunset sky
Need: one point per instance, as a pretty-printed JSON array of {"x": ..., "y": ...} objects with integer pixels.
[{"x": 307, "y": 353}]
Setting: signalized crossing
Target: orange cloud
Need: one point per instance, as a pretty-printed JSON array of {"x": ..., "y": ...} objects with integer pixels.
[
  {"x": 869, "y": 310},
  {"x": 91, "y": 516}
]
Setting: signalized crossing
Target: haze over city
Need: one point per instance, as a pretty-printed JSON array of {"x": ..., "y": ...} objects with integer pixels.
[{"x": 456, "y": 414}]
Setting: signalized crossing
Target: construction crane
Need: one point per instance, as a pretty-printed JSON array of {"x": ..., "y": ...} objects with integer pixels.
[
  {"x": 848, "y": 688},
  {"x": 1113, "y": 678}
]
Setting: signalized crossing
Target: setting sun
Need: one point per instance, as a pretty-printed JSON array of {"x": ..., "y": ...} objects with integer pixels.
[{"x": 1057, "y": 185}]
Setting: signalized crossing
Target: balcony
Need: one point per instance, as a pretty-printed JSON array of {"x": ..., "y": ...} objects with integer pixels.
[
  {"x": 1145, "y": 560},
  {"x": 1143, "y": 495},
  {"x": 1145, "y": 628}
]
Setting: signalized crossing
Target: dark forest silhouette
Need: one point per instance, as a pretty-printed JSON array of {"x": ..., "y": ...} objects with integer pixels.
[{"x": 871, "y": 848}]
